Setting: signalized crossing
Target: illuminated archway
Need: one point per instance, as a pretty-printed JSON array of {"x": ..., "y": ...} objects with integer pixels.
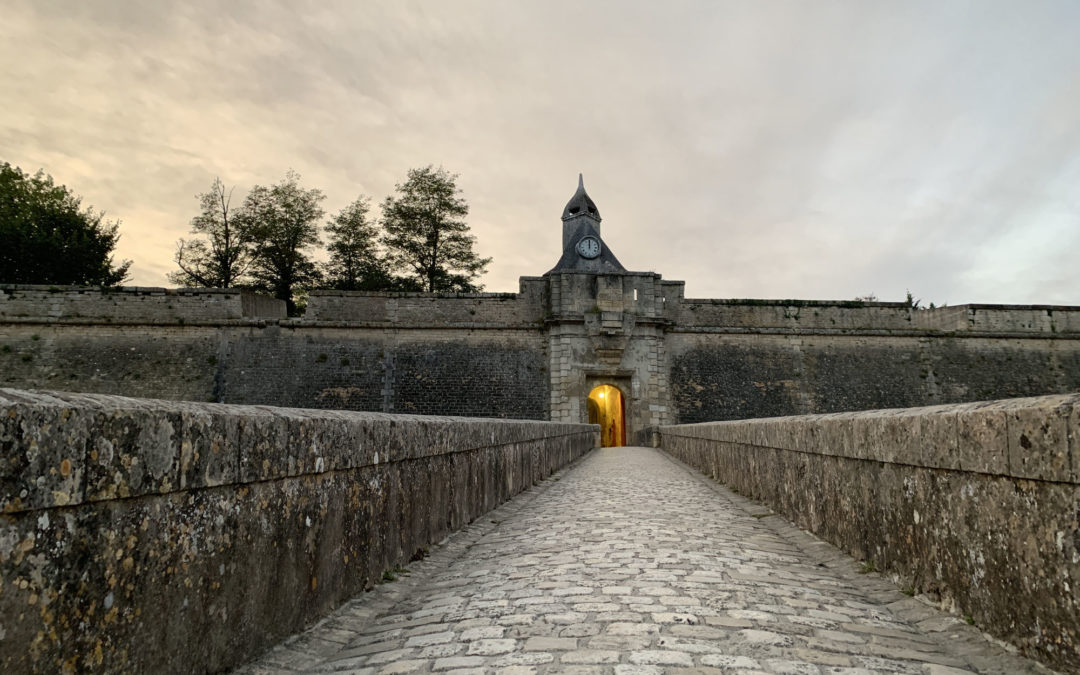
[{"x": 605, "y": 406}]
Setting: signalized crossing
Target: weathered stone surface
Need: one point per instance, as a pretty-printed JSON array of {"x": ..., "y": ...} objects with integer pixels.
[
  {"x": 1038, "y": 439},
  {"x": 43, "y": 461},
  {"x": 20, "y": 301},
  {"x": 977, "y": 504},
  {"x": 167, "y": 553},
  {"x": 982, "y": 441},
  {"x": 727, "y": 365}
]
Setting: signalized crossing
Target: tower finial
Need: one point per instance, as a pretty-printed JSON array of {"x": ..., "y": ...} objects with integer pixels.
[{"x": 580, "y": 204}]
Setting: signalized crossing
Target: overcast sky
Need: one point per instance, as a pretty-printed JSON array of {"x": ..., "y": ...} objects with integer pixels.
[{"x": 820, "y": 150}]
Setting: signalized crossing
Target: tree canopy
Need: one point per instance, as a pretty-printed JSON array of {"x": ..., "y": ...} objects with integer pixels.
[
  {"x": 224, "y": 251},
  {"x": 427, "y": 236},
  {"x": 355, "y": 261},
  {"x": 47, "y": 238},
  {"x": 268, "y": 242},
  {"x": 283, "y": 224}
]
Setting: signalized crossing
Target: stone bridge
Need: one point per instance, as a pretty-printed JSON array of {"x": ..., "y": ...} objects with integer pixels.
[{"x": 153, "y": 536}]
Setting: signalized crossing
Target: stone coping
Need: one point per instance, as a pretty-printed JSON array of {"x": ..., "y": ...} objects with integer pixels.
[
  {"x": 1034, "y": 438},
  {"x": 62, "y": 449}
]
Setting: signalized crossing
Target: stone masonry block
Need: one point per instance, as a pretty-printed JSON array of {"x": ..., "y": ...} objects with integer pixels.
[
  {"x": 313, "y": 443},
  {"x": 902, "y": 433},
  {"x": 933, "y": 439},
  {"x": 758, "y": 434},
  {"x": 209, "y": 449},
  {"x": 1038, "y": 440},
  {"x": 263, "y": 447},
  {"x": 42, "y": 455},
  {"x": 836, "y": 436},
  {"x": 134, "y": 451},
  {"x": 982, "y": 444},
  {"x": 875, "y": 437}
]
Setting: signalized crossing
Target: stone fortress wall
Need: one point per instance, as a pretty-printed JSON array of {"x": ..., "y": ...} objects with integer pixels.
[
  {"x": 478, "y": 355},
  {"x": 535, "y": 354},
  {"x": 737, "y": 359}
]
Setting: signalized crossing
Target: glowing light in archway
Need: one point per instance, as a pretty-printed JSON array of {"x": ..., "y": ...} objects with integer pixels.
[{"x": 606, "y": 408}]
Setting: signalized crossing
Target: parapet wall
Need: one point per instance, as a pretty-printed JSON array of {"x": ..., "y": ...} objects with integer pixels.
[
  {"x": 130, "y": 303},
  {"x": 810, "y": 316},
  {"x": 454, "y": 354},
  {"x": 152, "y": 536},
  {"x": 976, "y": 503},
  {"x": 737, "y": 359},
  {"x": 429, "y": 309}
]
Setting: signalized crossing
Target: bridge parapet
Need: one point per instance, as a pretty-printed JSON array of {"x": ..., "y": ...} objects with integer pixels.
[
  {"x": 976, "y": 505},
  {"x": 161, "y": 536}
]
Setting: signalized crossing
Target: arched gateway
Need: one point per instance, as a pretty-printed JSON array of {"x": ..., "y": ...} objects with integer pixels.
[{"x": 606, "y": 408}]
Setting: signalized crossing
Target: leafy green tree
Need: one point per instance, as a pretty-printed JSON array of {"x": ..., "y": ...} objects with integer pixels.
[
  {"x": 355, "y": 262},
  {"x": 427, "y": 236},
  {"x": 224, "y": 252},
  {"x": 46, "y": 238},
  {"x": 283, "y": 223}
]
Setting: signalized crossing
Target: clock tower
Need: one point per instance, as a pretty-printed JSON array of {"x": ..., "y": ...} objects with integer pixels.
[
  {"x": 583, "y": 249},
  {"x": 605, "y": 332}
]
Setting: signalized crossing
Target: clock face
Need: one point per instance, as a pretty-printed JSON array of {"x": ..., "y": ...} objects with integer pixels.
[{"x": 588, "y": 247}]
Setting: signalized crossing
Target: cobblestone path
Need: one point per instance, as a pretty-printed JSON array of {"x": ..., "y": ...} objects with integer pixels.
[{"x": 629, "y": 562}]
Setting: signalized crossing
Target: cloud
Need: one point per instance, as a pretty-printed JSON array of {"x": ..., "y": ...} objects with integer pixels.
[{"x": 752, "y": 149}]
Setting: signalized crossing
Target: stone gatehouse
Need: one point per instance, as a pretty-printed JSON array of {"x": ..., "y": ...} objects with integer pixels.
[{"x": 587, "y": 340}]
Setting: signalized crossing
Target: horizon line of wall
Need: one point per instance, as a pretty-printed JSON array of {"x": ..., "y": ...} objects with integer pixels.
[
  {"x": 490, "y": 354},
  {"x": 24, "y": 303}
]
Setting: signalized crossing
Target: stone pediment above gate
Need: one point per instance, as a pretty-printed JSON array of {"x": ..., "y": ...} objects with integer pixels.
[{"x": 609, "y": 333}]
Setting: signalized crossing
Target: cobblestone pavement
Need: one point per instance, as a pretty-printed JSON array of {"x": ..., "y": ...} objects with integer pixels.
[{"x": 629, "y": 562}]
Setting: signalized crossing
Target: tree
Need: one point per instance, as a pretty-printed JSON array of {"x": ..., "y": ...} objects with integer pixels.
[
  {"x": 427, "y": 236},
  {"x": 223, "y": 255},
  {"x": 46, "y": 238},
  {"x": 355, "y": 263},
  {"x": 912, "y": 301},
  {"x": 282, "y": 221}
]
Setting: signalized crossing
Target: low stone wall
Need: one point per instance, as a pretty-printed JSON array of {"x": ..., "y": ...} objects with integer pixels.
[
  {"x": 978, "y": 504},
  {"x": 854, "y": 315},
  {"x": 44, "y": 304},
  {"x": 427, "y": 309},
  {"x": 153, "y": 536}
]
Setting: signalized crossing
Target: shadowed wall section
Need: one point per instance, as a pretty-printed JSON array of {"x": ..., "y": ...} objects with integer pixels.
[
  {"x": 740, "y": 359},
  {"x": 468, "y": 354},
  {"x": 977, "y": 504},
  {"x": 155, "y": 536}
]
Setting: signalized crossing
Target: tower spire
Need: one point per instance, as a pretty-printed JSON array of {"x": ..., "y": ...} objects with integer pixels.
[
  {"x": 583, "y": 250},
  {"x": 581, "y": 205}
]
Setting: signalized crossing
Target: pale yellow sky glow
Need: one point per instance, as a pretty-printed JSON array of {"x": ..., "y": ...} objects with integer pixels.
[{"x": 754, "y": 149}]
